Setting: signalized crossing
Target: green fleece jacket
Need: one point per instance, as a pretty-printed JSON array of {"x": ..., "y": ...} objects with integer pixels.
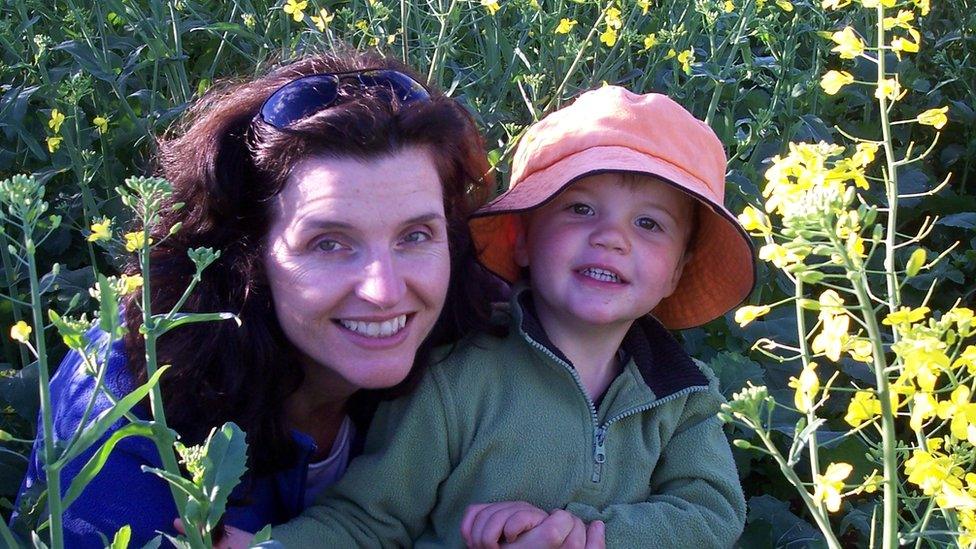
[{"x": 504, "y": 419}]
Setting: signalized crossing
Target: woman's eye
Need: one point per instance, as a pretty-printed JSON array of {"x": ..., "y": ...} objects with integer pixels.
[
  {"x": 647, "y": 223},
  {"x": 329, "y": 245},
  {"x": 581, "y": 209},
  {"x": 414, "y": 237}
]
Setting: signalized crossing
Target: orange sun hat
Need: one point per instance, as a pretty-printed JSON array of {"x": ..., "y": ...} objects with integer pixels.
[{"x": 613, "y": 129}]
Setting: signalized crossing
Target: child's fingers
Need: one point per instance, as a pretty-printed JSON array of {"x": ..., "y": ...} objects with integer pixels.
[
  {"x": 596, "y": 535},
  {"x": 576, "y": 539},
  {"x": 522, "y": 521},
  {"x": 469, "y": 514}
]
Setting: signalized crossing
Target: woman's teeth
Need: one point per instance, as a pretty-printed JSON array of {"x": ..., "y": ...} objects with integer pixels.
[
  {"x": 600, "y": 274},
  {"x": 386, "y": 328}
]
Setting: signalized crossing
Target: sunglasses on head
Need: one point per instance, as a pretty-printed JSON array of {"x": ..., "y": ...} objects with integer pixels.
[{"x": 308, "y": 95}]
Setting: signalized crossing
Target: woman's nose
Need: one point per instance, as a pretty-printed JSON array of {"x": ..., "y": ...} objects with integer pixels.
[
  {"x": 610, "y": 235},
  {"x": 382, "y": 284}
]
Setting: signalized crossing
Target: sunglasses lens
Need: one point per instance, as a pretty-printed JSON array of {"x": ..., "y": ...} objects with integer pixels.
[
  {"x": 296, "y": 100},
  {"x": 405, "y": 89},
  {"x": 306, "y": 96}
]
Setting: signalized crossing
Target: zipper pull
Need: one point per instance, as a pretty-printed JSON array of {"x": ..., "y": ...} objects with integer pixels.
[{"x": 599, "y": 453}]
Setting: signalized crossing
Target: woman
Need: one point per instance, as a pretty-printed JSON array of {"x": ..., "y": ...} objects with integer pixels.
[{"x": 337, "y": 189}]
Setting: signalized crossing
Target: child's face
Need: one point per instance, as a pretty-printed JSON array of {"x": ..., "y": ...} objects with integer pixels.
[{"x": 606, "y": 250}]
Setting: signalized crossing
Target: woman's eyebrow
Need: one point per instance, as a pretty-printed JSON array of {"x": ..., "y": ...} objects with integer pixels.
[{"x": 333, "y": 225}]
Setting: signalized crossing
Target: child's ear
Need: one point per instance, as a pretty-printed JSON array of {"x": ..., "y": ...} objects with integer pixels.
[{"x": 521, "y": 251}]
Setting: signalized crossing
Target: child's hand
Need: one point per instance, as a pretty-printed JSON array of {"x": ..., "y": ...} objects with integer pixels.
[
  {"x": 527, "y": 526},
  {"x": 484, "y": 524}
]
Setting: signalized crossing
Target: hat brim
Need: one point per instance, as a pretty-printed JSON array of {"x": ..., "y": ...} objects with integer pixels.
[{"x": 719, "y": 275}]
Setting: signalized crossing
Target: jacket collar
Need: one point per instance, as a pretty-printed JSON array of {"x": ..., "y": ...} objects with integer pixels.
[{"x": 663, "y": 364}]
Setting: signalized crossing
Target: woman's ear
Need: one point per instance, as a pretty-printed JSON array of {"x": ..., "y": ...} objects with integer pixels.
[{"x": 521, "y": 251}]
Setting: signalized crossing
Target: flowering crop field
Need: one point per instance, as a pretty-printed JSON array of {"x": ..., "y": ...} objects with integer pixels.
[{"x": 850, "y": 127}]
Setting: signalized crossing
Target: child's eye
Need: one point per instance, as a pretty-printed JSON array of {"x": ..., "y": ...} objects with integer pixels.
[
  {"x": 647, "y": 223},
  {"x": 581, "y": 209}
]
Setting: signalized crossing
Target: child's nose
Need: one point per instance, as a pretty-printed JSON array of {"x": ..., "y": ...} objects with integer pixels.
[{"x": 610, "y": 236}]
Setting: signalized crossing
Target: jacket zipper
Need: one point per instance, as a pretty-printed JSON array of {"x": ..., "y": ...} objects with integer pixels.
[{"x": 600, "y": 431}]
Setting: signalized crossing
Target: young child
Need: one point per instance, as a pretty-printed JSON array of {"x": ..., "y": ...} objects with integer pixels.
[{"x": 588, "y": 405}]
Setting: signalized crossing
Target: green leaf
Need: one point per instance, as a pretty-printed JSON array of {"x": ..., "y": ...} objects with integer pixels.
[
  {"x": 800, "y": 440},
  {"x": 733, "y": 370},
  {"x": 122, "y": 538},
  {"x": 226, "y": 463},
  {"x": 262, "y": 535},
  {"x": 97, "y": 461},
  {"x": 108, "y": 308},
  {"x": 107, "y": 419},
  {"x": 164, "y": 324},
  {"x": 915, "y": 262},
  {"x": 184, "y": 484},
  {"x": 964, "y": 220},
  {"x": 788, "y": 529}
]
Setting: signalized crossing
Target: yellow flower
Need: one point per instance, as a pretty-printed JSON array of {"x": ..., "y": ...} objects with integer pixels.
[
  {"x": 871, "y": 482},
  {"x": 967, "y": 359},
  {"x": 671, "y": 53},
  {"x": 729, "y": 7},
  {"x": 832, "y": 337},
  {"x": 876, "y": 3},
  {"x": 609, "y": 36},
  {"x": 745, "y": 315},
  {"x": 833, "y": 81},
  {"x": 613, "y": 18},
  {"x": 861, "y": 349},
  {"x": 249, "y": 20},
  {"x": 834, "y": 4},
  {"x": 807, "y": 386},
  {"x": 650, "y": 41},
  {"x": 53, "y": 143},
  {"x": 849, "y": 45},
  {"x": 924, "y": 406},
  {"x": 361, "y": 25},
  {"x": 924, "y": 358},
  {"x": 934, "y": 117},
  {"x": 905, "y": 315},
  {"x": 491, "y": 5},
  {"x": 20, "y": 332},
  {"x": 890, "y": 88},
  {"x": 778, "y": 255},
  {"x": 535, "y": 5},
  {"x": 101, "y": 124},
  {"x": 129, "y": 284},
  {"x": 865, "y": 406},
  {"x": 686, "y": 58},
  {"x": 295, "y": 9},
  {"x": 755, "y": 221},
  {"x": 565, "y": 25},
  {"x": 901, "y": 44},
  {"x": 928, "y": 470},
  {"x": 903, "y": 20},
  {"x": 57, "y": 118},
  {"x": 644, "y": 5},
  {"x": 923, "y": 6},
  {"x": 135, "y": 241},
  {"x": 785, "y": 5},
  {"x": 101, "y": 231},
  {"x": 962, "y": 412},
  {"x": 323, "y": 19},
  {"x": 827, "y": 487},
  {"x": 864, "y": 154}
]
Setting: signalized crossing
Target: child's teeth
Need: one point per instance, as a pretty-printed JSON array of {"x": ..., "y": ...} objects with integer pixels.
[
  {"x": 600, "y": 274},
  {"x": 386, "y": 328}
]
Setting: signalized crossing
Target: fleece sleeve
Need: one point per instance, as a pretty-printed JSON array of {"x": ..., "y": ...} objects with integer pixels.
[
  {"x": 696, "y": 499},
  {"x": 386, "y": 495}
]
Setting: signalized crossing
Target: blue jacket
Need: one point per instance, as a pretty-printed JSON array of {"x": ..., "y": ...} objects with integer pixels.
[{"x": 121, "y": 493}]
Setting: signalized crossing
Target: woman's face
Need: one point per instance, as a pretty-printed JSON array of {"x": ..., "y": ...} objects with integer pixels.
[{"x": 358, "y": 264}]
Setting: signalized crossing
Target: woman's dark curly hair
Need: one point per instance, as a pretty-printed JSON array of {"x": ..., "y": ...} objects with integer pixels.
[{"x": 226, "y": 166}]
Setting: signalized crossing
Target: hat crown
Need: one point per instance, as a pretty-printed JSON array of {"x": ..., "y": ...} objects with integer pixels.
[{"x": 650, "y": 124}]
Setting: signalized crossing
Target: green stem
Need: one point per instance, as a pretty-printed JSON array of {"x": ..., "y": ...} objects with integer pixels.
[
  {"x": 717, "y": 92},
  {"x": 436, "y": 62},
  {"x": 790, "y": 475},
  {"x": 801, "y": 329},
  {"x": 52, "y": 471},
  {"x": 163, "y": 444}
]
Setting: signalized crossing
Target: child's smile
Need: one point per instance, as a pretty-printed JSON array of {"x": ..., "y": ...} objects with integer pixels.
[{"x": 605, "y": 251}]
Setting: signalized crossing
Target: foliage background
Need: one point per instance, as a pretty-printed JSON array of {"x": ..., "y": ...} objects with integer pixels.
[{"x": 753, "y": 74}]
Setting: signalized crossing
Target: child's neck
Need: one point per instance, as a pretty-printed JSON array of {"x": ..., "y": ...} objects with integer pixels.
[{"x": 591, "y": 349}]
